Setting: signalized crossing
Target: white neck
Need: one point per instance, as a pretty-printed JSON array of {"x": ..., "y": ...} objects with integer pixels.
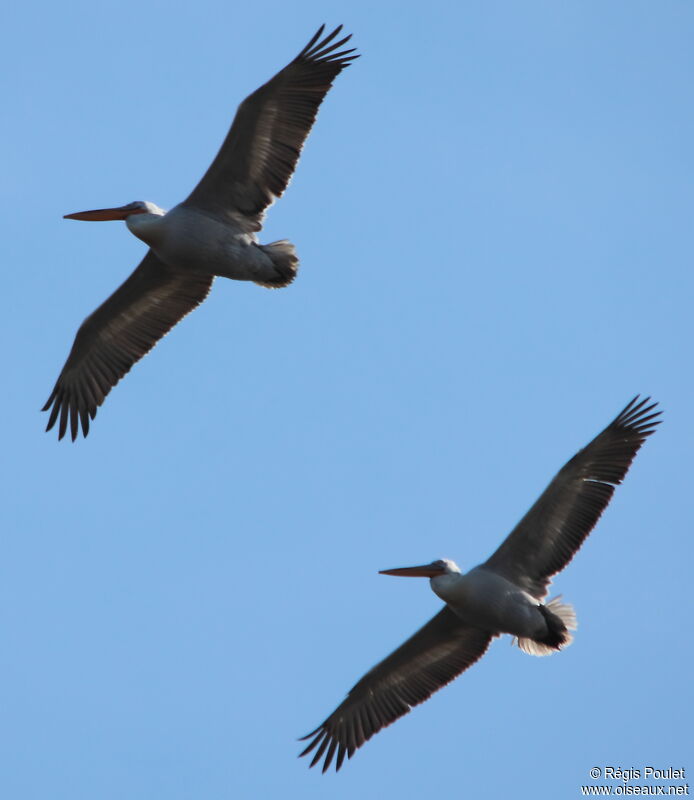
[
  {"x": 447, "y": 586},
  {"x": 146, "y": 225}
]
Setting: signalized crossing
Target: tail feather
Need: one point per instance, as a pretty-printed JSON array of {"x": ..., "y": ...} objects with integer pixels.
[
  {"x": 284, "y": 260},
  {"x": 560, "y": 618}
]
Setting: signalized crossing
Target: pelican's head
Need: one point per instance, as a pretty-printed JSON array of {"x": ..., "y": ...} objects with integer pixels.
[
  {"x": 442, "y": 566},
  {"x": 121, "y": 212},
  {"x": 141, "y": 217},
  {"x": 444, "y": 576}
]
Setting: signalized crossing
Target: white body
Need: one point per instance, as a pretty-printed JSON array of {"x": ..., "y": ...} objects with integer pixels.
[
  {"x": 190, "y": 240},
  {"x": 484, "y": 599}
]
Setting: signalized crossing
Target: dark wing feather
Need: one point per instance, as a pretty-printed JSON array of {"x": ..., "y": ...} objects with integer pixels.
[
  {"x": 550, "y": 534},
  {"x": 430, "y": 659},
  {"x": 260, "y": 152},
  {"x": 122, "y": 330}
]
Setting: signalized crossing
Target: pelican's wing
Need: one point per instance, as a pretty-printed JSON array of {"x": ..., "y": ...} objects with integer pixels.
[
  {"x": 550, "y": 534},
  {"x": 430, "y": 659},
  {"x": 260, "y": 152},
  {"x": 122, "y": 330}
]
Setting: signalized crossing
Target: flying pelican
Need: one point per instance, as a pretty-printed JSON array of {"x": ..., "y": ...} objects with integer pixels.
[
  {"x": 211, "y": 233},
  {"x": 503, "y": 595}
]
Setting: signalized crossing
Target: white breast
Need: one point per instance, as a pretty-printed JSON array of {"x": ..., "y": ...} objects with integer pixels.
[{"x": 487, "y": 600}]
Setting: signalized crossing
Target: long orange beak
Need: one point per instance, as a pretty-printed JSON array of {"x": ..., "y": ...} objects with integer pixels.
[
  {"x": 101, "y": 214},
  {"x": 425, "y": 571}
]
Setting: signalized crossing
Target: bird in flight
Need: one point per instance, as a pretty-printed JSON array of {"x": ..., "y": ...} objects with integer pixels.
[
  {"x": 211, "y": 233},
  {"x": 505, "y": 594}
]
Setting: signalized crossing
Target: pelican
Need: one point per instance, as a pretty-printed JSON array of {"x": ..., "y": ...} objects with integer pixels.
[
  {"x": 210, "y": 234},
  {"x": 503, "y": 595}
]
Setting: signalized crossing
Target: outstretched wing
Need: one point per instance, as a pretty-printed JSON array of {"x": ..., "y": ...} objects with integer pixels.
[
  {"x": 260, "y": 152},
  {"x": 122, "y": 330},
  {"x": 550, "y": 534},
  {"x": 430, "y": 659}
]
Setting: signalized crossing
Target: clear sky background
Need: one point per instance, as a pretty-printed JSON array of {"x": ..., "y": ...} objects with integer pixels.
[{"x": 494, "y": 219}]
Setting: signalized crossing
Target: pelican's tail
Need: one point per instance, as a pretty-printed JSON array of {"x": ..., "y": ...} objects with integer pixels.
[
  {"x": 284, "y": 260},
  {"x": 560, "y": 618}
]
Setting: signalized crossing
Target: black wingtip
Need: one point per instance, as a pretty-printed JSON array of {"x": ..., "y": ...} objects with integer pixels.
[
  {"x": 308, "y": 736},
  {"x": 318, "y": 737},
  {"x": 66, "y": 415},
  {"x": 321, "y": 50},
  {"x": 329, "y": 756},
  {"x": 321, "y": 749},
  {"x": 327, "y": 743},
  {"x": 316, "y": 36},
  {"x": 54, "y": 401},
  {"x": 638, "y": 415}
]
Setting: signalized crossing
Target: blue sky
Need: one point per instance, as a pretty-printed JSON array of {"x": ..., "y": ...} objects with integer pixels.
[{"x": 493, "y": 215}]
